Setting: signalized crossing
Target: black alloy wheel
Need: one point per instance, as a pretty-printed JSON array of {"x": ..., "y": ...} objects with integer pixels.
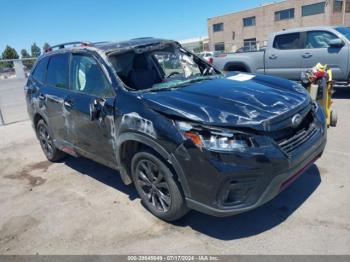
[
  {"x": 157, "y": 186},
  {"x": 46, "y": 141}
]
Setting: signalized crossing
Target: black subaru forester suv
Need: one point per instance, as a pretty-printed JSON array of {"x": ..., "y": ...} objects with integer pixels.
[{"x": 186, "y": 135}]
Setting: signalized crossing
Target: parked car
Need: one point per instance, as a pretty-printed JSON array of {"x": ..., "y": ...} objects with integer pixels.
[
  {"x": 209, "y": 55},
  {"x": 293, "y": 51},
  {"x": 186, "y": 137}
]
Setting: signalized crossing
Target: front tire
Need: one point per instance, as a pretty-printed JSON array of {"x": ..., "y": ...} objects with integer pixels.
[
  {"x": 334, "y": 118},
  {"x": 158, "y": 190},
  {"x": 45, "y": 137}
]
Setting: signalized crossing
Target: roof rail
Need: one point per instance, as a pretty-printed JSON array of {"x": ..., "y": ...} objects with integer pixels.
[
  {"x": 142, "y": 38},
  {"x": 101, "y": 42},
  {"x": 64, "y": 45}
]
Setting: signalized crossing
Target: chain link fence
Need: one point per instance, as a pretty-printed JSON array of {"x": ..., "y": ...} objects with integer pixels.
[
  {"x": 13, "y": 75},
  {"x": 249, "y": 45}
]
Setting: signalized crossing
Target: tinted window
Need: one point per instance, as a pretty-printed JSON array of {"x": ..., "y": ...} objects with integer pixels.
[
  {"x": 249, "y": 21},
  {"x": 87, "y": 77},
  {"x": 313, "y": 9},
  {"x": 218, "y": 27},
  {"x": 39, "y": 73},
  {"x": 287, "y": 41},
  {"x": 319, "y": 39},
  {"x": 284, "y": 14},
  {"x": 58, "y": 71}
]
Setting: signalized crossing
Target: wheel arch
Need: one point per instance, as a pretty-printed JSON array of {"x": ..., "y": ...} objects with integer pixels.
[
  {"x": 37, "y": 117},
  {"x": 130, "y": 142},
  {"x": 237, "y": 66}
]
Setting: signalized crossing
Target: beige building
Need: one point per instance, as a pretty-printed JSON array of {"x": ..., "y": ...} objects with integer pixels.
[
  {"x": 250, "y": 29},
  {"x": 197, "y": 44}
]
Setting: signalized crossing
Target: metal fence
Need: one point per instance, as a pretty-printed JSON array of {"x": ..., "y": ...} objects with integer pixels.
[
  {"x": 13, "y": 74},
  {"x": 239, "y": 46}
]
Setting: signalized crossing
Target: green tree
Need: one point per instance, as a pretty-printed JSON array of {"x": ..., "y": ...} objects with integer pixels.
[
  {"x": 46, "y": 46},
  {"x": 199, "y": 48},
  {"x": 9, "y": 53},
  {"x": 35, "y": 50},
  {"x": 27, "y": 63}
]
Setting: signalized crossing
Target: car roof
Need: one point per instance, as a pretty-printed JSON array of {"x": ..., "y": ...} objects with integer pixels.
[
  {"x": 109, "y": 47},
  {"x": 112, "y": 46},
  {"x": 303, "y": 29}
]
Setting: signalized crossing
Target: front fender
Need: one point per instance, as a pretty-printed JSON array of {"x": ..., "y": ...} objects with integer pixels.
[{"x": 156, "y": 146}]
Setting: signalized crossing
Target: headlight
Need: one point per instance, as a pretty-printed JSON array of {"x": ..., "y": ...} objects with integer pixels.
[{"x": 215, "y": 139}]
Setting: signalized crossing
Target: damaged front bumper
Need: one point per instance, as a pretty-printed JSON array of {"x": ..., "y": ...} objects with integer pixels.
[{"x": 225, "y": 184}]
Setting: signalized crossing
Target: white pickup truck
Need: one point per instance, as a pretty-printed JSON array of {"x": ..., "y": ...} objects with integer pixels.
[{"x": 293, "y": 51}]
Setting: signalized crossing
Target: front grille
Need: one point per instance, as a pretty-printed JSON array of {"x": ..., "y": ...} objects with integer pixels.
[
  {"x": 289, "y": 145},
  {"x": 290, "y": 139}
]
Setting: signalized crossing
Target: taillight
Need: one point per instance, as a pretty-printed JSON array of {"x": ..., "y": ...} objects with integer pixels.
[
  {"x": 223, "y": 55},
  {"x": 210, "y": 60}
]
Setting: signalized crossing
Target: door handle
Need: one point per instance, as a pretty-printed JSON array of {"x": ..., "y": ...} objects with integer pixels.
[
  {"x": 273, "y": 56},
  {"x": 307, "y": 55},
  {"x": 42, "y": 96},
  {"x": 68, "y": 102}
]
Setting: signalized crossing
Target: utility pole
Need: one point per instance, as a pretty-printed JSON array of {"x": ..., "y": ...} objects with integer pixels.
[{"x": 344, "y": 8}]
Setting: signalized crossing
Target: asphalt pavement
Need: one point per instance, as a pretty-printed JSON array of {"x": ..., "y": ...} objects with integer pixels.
[{"x": 80, "y": 207}]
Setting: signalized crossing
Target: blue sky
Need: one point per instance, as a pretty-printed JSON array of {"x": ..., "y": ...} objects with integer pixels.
[{"x": 24, "y": 22}]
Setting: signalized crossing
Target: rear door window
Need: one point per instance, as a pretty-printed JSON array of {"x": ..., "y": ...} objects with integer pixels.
[
  {"x": 39, "y": 72},
  {"x": 58, "y": 71},
  {"x": 287, "y": 41}
]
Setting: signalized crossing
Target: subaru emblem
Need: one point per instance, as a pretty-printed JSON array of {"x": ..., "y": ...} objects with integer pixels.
[{"x": 296, "y": 120}]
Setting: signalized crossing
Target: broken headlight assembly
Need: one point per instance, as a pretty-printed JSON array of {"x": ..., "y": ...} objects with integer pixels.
[{"x": 215, "y": 139}]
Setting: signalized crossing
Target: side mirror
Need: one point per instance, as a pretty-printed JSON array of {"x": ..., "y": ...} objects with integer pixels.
[{"x": 336, "y": 43}]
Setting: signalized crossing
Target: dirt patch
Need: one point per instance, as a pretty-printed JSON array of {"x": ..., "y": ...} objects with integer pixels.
[
  {"x": 33, "y": 180},
  {"x": 15, "y": 227}
]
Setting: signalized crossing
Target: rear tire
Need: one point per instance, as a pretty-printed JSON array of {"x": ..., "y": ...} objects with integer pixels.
[
  {"x": 155, "y": 184},
  {"x": 45, "y": 137}
]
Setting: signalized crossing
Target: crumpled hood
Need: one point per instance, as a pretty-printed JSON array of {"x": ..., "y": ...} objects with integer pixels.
[{"x": 231, "y": 102}]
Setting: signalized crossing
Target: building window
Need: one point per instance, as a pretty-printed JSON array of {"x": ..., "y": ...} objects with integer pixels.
[
  {"x": 219, "y": 46},
  {"x": 284, "y": 14},
  {"x": 249, "y": 45},
  {"x": 249, "y": 21},
  {"x": 313, "y": 9},
  {"x": 347, "y": 6},
  {"x": 337, "y": 6},
  {"x": 218, "y": 27}
]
